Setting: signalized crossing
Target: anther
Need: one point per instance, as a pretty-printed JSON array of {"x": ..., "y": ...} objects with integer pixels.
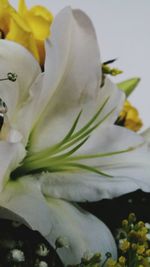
[
  {"x": 10, "y": 76},
  {"x": 3, "y": 107},
  {"x": 1, "y": 121},
  {"x": 2, "y": 34},
  {"x": 3, "y": 110},
  {"x": 110, "y": 61}
]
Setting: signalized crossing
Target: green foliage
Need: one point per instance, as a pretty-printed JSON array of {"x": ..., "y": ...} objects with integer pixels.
[{"x": 128, "y": 86}]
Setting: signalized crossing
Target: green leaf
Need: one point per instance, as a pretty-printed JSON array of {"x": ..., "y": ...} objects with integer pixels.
[{"x": 128, "y": 86}]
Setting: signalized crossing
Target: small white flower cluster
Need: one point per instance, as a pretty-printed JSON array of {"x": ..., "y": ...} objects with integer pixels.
[
  {"x": 41, "y": 264},
  {"x": 17, "y": 255}
]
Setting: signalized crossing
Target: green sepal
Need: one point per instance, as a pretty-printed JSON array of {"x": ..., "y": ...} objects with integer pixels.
[{"x": 128, "y": 86}]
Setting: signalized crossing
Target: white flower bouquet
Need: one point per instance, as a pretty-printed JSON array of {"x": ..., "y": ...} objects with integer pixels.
[{"x": 67, "y": 136}]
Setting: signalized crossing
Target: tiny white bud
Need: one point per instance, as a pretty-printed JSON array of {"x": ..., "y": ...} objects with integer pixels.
[
  {"x": 61, "y": 242},
  {"x": 87, "y": 255},
  {"x": 42, "y": 250},
  {"x": 130, "y": 200},
  {"x": 16, "y": 224},
  {"x": 42, "y": 264},
  {"x": 147, "y": 225},
  {"x": 148, "y": 237},
  {"x": 132, "y": 225}
]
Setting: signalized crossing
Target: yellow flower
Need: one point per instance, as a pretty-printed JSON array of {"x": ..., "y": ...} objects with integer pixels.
[
  {"x": 5, "y": 11},
  {"x": 124, "y": 244},
  {"x": 140, "y": 249},
  {"x": 28, "y": 27},
  {"x": 148, "y": 252},
  {"x": 141, "y": 224},
  {"x": 111, "y": 263},
  {"x": 124, "y": 223},
  {"x": 129, "y": 117},
  {"x": 122, "y": 260}
]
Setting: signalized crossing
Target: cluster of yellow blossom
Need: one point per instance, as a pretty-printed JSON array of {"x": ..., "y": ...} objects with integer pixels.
[
  {"x": 121, "y": 262},
  {"x": 28, "y": 27},
  {"x": 133, "y": 247},
  {"x": 133, "y": 243}
]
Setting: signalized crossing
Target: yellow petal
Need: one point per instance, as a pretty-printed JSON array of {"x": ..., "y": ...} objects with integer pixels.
[
  {"x": 39, "y": 19},
  {"x": 30, "y": 28},
  {"x": 5, "y": 14},
  {"x": 22, "y": 8},
  {"x": 42, "y": 12},
  {"x": 129, "y": 117},
  {"x": 4, "y": 3},
  {"x": 20, "y": 33},
  {"x": 4, "y": 22}
]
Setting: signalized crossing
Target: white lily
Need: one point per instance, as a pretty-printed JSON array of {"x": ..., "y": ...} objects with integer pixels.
[{"x": 59, "y": 143}]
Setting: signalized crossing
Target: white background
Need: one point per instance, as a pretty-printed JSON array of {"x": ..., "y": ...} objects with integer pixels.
[{"x": 123, "y": 31}]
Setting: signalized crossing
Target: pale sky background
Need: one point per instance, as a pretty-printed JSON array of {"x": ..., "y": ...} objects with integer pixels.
[{"x": 123, "y": 31}]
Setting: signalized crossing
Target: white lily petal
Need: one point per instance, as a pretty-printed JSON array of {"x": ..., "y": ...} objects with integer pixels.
[
  {"x": 16, "y": 59},
  {"x": 81, "y": 186},
  {"x": 111, "y": 138},
  {"x": 55, "y": 218},
  {"x": 24, "y": 199},
  {"x": 83, "y": 231},
  {"x": 72, "y": 77},
  {"x": 29, "y": 113},
  {"x": 130, "y": 170},
  {"x": 11, "y": 155},
  {"x": 146, "y": 135},
  {"x": 9, "y": 215},
  {"x": 13, "y": 136},
  {"x": 115, "y": 102}
]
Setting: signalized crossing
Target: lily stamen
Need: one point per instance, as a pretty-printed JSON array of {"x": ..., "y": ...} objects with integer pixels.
[
  {"x": 10, "y": 77},
  {"x": 3, "y": 110}
]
